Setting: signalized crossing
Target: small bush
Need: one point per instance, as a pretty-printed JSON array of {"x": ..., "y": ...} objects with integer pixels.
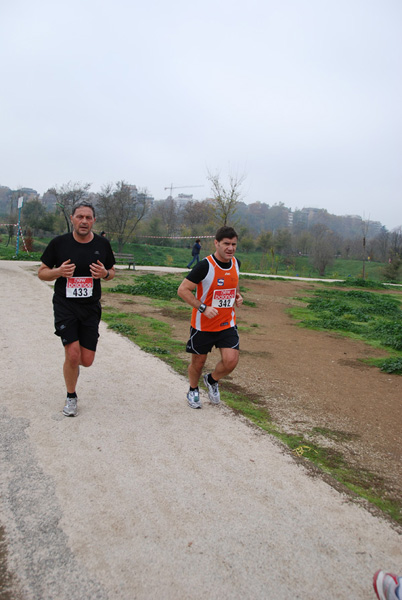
[
  {"x": 153, "y": 286},
  {"x": 123, "y": 328},
  {"x": 392, "y": 365},
  {"x": 359, "y": 282}
]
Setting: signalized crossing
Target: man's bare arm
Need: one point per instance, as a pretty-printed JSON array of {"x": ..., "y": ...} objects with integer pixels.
[
  {"x": 66, "y": 269},
  {"x": 185, "y": 292}
]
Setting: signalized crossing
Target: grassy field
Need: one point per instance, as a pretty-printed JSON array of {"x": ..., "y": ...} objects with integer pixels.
[
  {"x": 252, "y": 262},
  {"x": 369, "y": 316}
]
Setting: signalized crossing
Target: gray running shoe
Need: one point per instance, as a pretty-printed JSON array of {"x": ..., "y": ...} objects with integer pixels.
[
  {"x": 213, "y": 391},
  {"x": 70, "y": 409},
  {"x": 193, "y": 399}
]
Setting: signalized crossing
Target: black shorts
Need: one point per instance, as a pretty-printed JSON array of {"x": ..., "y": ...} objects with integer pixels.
[
  {"x": 77, "y": 321},
  {"x": 202, "y": 342}
]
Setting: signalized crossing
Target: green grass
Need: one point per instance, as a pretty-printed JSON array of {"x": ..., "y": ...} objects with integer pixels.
[
  {"x": 369, "y": 316},
  {"x": 151, "y": 285}
]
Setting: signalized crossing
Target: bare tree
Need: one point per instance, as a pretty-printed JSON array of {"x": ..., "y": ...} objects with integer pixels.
[
  {"x": 169, "y": 211},
  {"x": 365, "y": 228},
  {"x": 264, "y": 241},
  {"x": 303, "y": 242},
  {"x": 227, "y": 198},
  {"x": 67, "y": 195},
  {"x": 382, "y": 243},
  {"x": 122, "y": 207},
  {"x": 283, "y": 241},
  {"x": 198, "y": 213},
  {"x": 322, "y": 251},
  {"x": 396, "y": 241}
]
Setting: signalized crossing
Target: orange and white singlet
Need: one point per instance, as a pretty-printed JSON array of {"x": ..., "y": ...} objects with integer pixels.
[{"x": 217, "y": 289}]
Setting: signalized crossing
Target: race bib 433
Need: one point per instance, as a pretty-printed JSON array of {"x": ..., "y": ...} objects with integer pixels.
[{"x": 79, "y": 287}]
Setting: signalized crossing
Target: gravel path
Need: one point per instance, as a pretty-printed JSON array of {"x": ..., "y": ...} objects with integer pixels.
[{"x": 142, "y": 497}]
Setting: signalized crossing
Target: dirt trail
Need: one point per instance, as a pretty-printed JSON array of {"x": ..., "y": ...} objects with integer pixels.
[{"x": 142, "y": 497}]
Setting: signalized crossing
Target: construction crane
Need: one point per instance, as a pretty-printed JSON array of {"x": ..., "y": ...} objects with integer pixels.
[{"x": 171, "y": 187}]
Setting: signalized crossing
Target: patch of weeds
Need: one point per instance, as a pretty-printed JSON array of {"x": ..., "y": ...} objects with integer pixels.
[
  {"x": 151, "y": 285},
  {"x": 249, "y": 303},
  {"x": 160, "y": 326},
  {"x": 362, "y": 283},
  {"x": 248, "y": 407},
  {"x": 389, "y": 333},
  {"x": 123, "y": 328},
  {"x": 371, "y": 317},
  {"x": 392, "y": 365},
  {"x": 254, "y": 325},
  {"x": 155, "y": 350}
]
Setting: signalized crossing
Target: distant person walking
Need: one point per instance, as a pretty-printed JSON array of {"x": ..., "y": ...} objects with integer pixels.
[
  {"x": 195, "y": 253},
  {"x": 215, "y": 280},
  {"x": 77, "y": 261}
]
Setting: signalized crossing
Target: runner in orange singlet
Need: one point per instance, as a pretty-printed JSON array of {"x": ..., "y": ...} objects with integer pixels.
[{"x": 213, "y": 321}]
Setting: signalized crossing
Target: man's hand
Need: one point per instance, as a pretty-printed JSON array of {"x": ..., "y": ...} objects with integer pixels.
[
  {"x": 98, "y": 270},
  {"x": 239, "y": 299},
  {"x": 67, "y": 268},
  {"x": 210, "y": 312}
]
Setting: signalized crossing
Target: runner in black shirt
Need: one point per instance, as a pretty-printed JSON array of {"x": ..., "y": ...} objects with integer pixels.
[{"x": 77, "y": 261}]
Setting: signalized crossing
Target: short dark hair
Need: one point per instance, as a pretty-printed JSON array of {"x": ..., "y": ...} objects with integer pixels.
[
  {"x": 85, "y": 203},
  {"x": 225, "y": 232}
]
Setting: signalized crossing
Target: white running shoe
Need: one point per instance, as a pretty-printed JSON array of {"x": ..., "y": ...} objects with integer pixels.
[
  {"x": 70, "y": 409},
  {"x": 213, "y": 391},
  {"x": 193, "y": 398}
]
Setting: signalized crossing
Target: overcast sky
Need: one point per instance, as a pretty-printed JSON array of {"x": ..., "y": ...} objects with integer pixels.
[{"x": 303, "y": 97}]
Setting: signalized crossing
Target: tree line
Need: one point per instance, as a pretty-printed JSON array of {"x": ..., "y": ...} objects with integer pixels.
[{"x": 129, "y": 214}]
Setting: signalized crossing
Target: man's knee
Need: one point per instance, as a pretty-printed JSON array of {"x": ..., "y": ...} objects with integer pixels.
[
  {"x": 87, "y": 357},
  {"x": 230, "y": 360},
  {"x": 73, "y": 354},
  {"x": 198, "y": 361}
]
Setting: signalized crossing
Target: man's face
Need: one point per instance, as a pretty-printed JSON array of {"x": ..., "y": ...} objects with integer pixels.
[
  {"x": 225, "y": 249},
  {"x": 83, "y": 220}
]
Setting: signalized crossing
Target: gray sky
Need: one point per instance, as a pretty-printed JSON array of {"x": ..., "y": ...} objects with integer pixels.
[{"x": 303, "y": 97}]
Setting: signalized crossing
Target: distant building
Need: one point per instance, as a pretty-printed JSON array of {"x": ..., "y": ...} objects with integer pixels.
[
  {"x": 28, "y": 194},
  {"x": 182, "y": 199},
  {"x": 135, "y": 194}
]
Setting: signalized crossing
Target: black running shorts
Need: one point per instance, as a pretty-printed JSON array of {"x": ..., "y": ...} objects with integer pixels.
[
  {"x": 77, "y": 322},
  {"x": 202, "y": 342}
]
